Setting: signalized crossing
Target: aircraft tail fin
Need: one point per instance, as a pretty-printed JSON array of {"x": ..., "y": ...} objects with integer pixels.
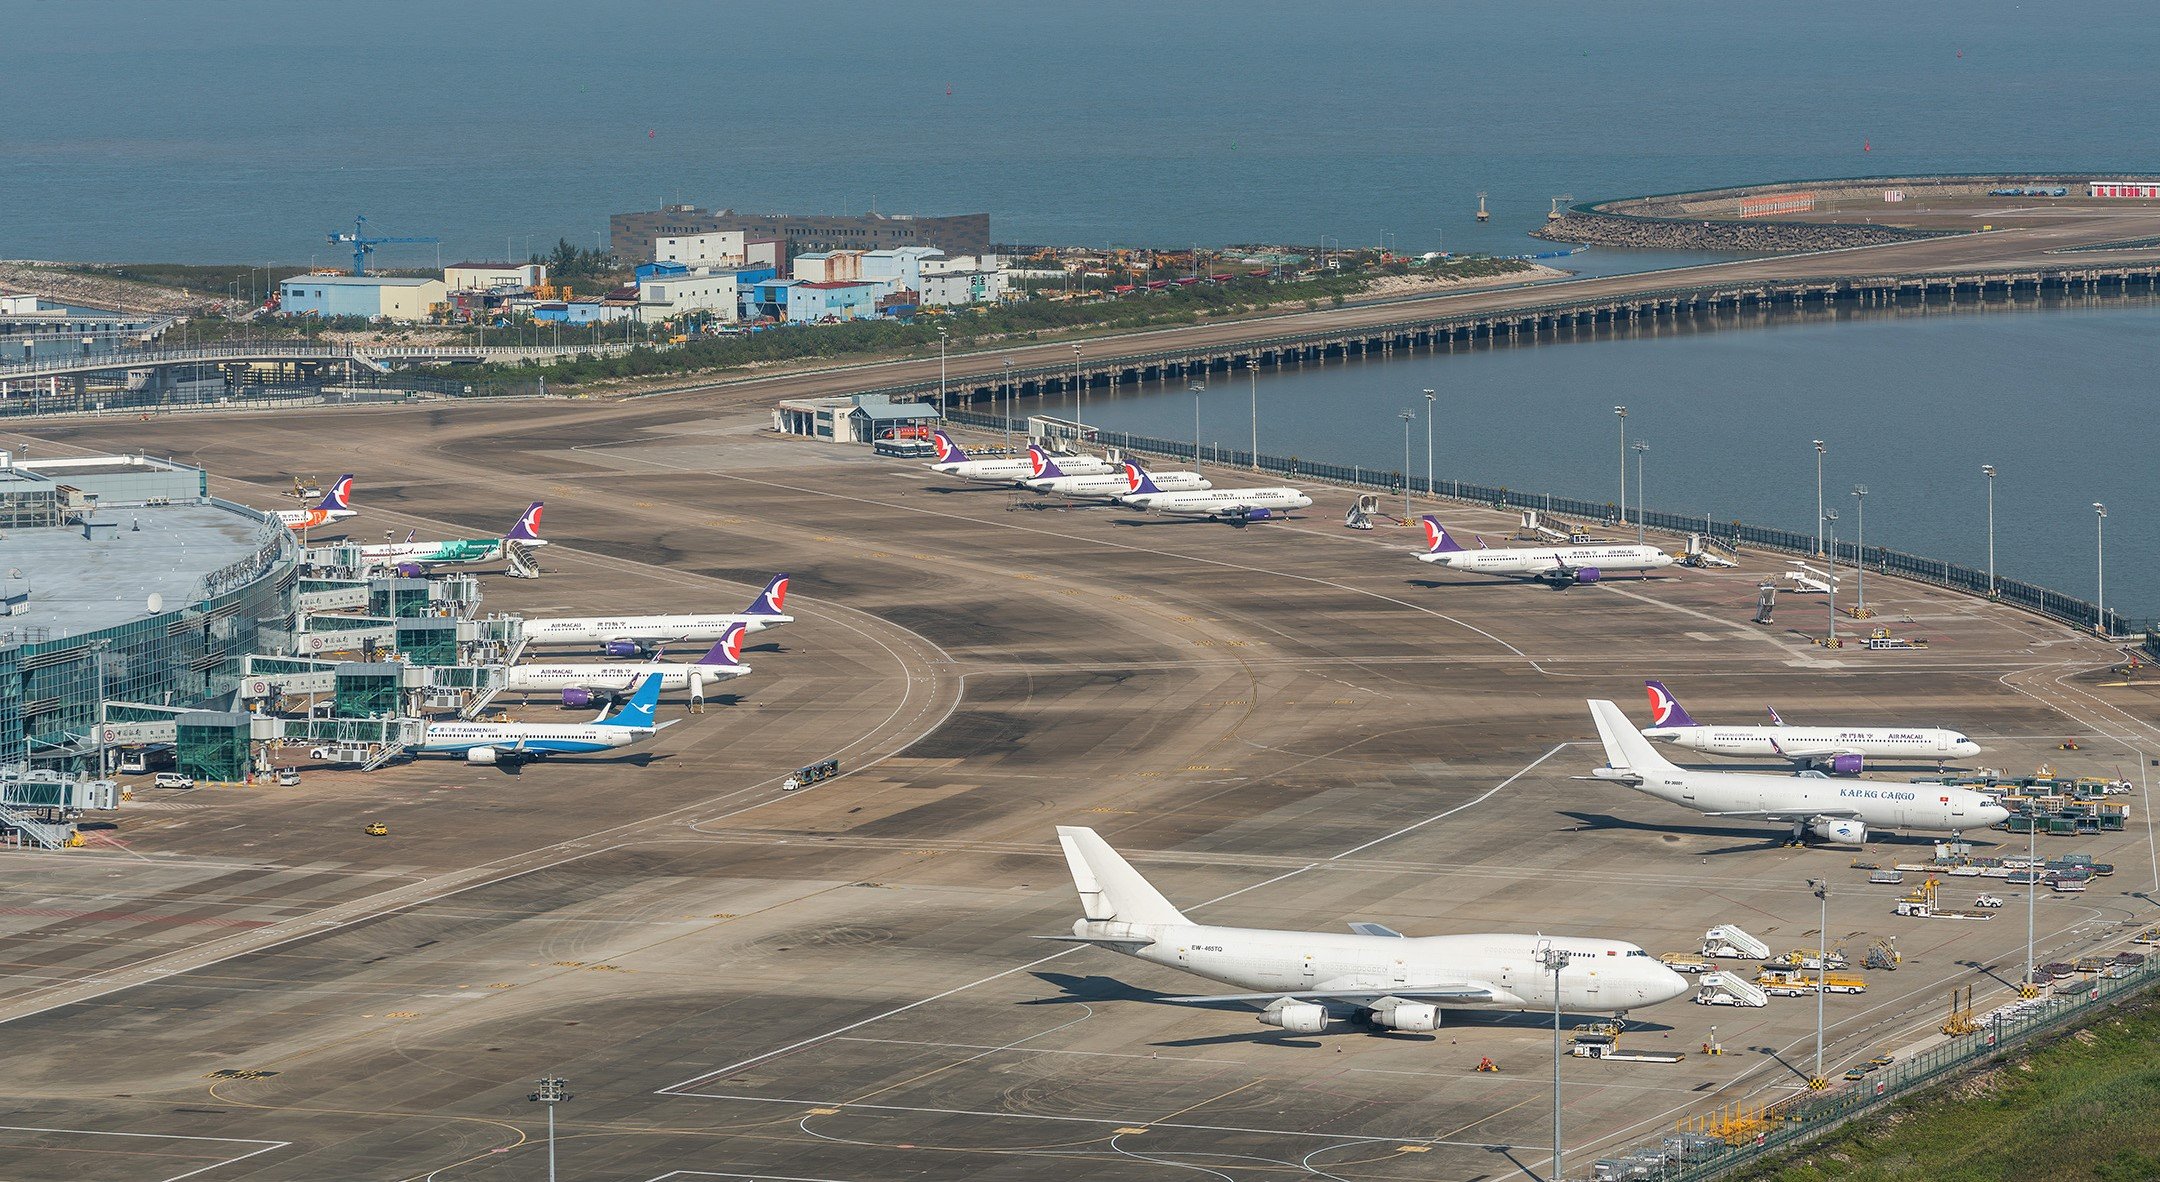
[
  {"x": 1774, "y": 719},
  {"x": 1040, "y": 463},
  {"x": 1625, "y": 748},
  {"x": 1109, "y": 887},
  {"x": 641, "y": 707},
  {"x": 1665, "y": 709},
  {"x": 728, "y": 649},
  {"x": 948, "y": 452},
  {"x": 340, "y": 494},
  {"x": 772, "y": 601},
  {"x": 1437, "y": 539},
  {"x": 1138, "y": 481},
  {"x": 527, "y": 529}
]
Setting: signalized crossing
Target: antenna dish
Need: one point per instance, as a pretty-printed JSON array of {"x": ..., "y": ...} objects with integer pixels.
[{"x": 157, "y": 603}]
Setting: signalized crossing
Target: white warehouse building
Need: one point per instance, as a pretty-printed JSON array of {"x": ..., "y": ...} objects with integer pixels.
[{"x": 712, "y": 291}]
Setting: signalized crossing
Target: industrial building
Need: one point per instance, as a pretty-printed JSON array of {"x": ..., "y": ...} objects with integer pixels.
[
  {"x": 720, "y": 248},
  {"x": 371, "y": 297},
  {"x": 494, "y": 276},
  {"x": 632, "y": 235},
  {"x": 858, "y": 418}
]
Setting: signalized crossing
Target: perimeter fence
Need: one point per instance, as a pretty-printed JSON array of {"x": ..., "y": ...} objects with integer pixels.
[{"x": 1730, "y": 535}]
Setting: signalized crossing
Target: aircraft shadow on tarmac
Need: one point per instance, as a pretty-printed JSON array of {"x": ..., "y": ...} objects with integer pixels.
[
  {"x": 1473, "y": 584},
  {"x": 1774, "y": 834}
]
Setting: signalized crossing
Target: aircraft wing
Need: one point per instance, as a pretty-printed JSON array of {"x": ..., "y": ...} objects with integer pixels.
[
  {"x": 1456, "y": 991},
  {"x": 1789, "y": 814},
  {"x": 1375, "y": 929}
]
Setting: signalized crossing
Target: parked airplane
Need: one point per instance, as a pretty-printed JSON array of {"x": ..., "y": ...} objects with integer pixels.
[
  {"x": 336, "y": 505},
  {"x": 1372, "y": 971},
  {"x": 517, "y": 742},
  {"x": 1813, "y": 803},
  {"x": 1562, "y": 566},
  {"x": 1841, "y": 751},
  {"x": 583, "y": 682},
  {"x": 1051, "y": 477},
  {"x": 953, "y": 461},
  {"x": 412, "y": 557},
  {"x": 1235, "y": 505},
  {"x": 633, "y": 636}
]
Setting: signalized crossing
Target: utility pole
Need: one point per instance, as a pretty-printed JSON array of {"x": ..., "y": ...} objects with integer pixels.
[
  {"x": 1197, "y": 389},
  {"x": 1859, "y": 492},
  {"x": 1640, "y": 448},
  {"x": 2030, "y": 987},
  {"x": 553, "y": 1090},
  {"x": 1988, "y": 470},
  {"x": 2100, "y": 624},
  {"x": 941, "y": 368},
  {"x": 1818, "y": 496},
  {"x": 1009, "y": 392},
  {"x": 1408, "y": 417},
  {"x": 1428, "y": 444},
  {"x": 1553, "y": 959},
  {"x": 1620, "y": 412},
  {"x": 1252, "y": 373},
  {"x": 1822, "y": 969},
  {"x": 1077, "y": 396},
  {"x": 1830, "y": 520}
]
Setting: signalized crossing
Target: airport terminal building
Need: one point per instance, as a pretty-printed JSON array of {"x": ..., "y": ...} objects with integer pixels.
[{"x": 123, "y": 580}]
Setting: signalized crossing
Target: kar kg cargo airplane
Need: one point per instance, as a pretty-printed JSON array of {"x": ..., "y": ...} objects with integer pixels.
[
  {"x": 1562, "y": 566},
  {"x": 636, "y": 636},
  {"x": 1839, "y": 750},
  {"x": 336, "y": 505},
  {"x": 1391, "y": 980},
  {"x": 413, "y": 558},
  {"x": 1813, "y": 803},
  {"x": 516, "y": 742}
]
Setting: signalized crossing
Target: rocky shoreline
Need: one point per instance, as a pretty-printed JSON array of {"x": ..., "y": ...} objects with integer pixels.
[{"x": 1592, "y": 229}]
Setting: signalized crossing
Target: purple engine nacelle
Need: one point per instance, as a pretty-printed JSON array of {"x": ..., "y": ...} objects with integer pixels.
[
  {"x": 411, "y": 570},
  {"x": 1586, "y": 574},
  {"x": 1850, "y": 764},
  {"x": 1258, "y": 514},
  {"x": 577, "y": 698},
  {"x": 622, "y": 648}
]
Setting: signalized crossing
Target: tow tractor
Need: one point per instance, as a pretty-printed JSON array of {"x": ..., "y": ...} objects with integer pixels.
[
  {"x": 1602, "y": 1041},
  {"x": 1923, "y": 904}
]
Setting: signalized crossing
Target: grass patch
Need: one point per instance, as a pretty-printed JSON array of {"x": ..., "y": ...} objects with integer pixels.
[{"x": 2084, "y": 1107}]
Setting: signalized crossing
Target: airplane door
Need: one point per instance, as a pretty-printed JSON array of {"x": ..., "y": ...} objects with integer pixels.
[
  {"x": 1184, "y": 956},
  {"x": 1591, "y": 987},
  {"x": 1399, "y": 972},
  {"x": 1306, "y": 975}
]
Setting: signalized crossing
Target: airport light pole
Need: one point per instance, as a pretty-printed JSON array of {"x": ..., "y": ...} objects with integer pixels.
[
  {"x": 1252, "y": 374},
  {"x": 1620, "y": 412},
  {"x": 1988, "y": 470},
  {"x": 2100, "y": 569},
  {"x": 1639, "y": 449},
  {"x": 1408, "y": 417},
  {"x": 2030, "y": 987},
  {"x": 1553, "y": 959},
  {"x": 941, "y": 368},
  {"x": 1859, "y": 492},
  {"x": 1197, "y": 388},
  {"x": 1830, "y": 521},
  {"x": 1429, "y": 397},
  {"x": 1009, "y": 392},
  {"x": 1822, "y": 973},
  {"x": 1078, "y": 398},
  {"x": 553, "y": 1090},
  {"x": 1818, "y": 497}
]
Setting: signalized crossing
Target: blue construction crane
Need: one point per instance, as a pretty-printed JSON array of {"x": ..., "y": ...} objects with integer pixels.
[{"x": 363, "y": 246}]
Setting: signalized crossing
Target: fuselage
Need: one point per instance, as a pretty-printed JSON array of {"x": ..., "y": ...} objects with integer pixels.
[
  {"x": 1880, "y": 804},
  {"x": 1215, "y": 501},
  {"x": 1019, "y": 470},
  {"x": 455, "y": 738},
  {"x": 1538, "y": 560},
  {"x": 601, "y": 629},
  {"x": 1808, "y": 742},
  {"x": 297, "y": 519},
  {"x": 1111, "y": 486},
  {"x": 455, "y": 552},
  {"x": 1600, "y": 975},
  {"x": 614, "y": 677}
]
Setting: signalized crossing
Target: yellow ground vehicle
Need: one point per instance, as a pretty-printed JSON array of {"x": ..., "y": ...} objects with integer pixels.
[{"x": 377, "y": 829}]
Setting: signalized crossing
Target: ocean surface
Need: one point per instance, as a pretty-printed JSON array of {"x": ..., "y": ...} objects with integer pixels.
[{"x": 247, "y": 131}]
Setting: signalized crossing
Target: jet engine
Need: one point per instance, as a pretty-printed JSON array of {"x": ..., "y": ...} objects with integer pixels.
[
  {"x": 1397, "y": 1014},
  {"x": 1296, "y": 1017},
  {"x": 1849, "y": 832},
  {"x": 1848, "y": 764},
  {"x": 1258, "y": 514},
  {"x": 577, "y": 698},
  {"x": 622, "y": 648},
  {"x": 480, "y": 755},
  {"x": 411, "y": 570},
  {"x": 1586, "y": 574}
]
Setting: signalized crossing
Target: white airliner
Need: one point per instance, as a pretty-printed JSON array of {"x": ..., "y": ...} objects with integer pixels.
[
  {"x": 1813, "y": 803},
  {"x": 583, "y": 682},
  {"x": 1839, "y": 750},
  {"x": 516, "y": 742},
  {"x": 414, "y": 557},
  {"x": 1109, "y": 486},
  {"x": 335, "y": 506},
  {"x": 1372, "y": 971},
  {"x": 952, "y": 461},
  {"x": 1234, "y": 505},
  {"x": 1562, "y": 566},
  {"x": 633, "y": 636}
]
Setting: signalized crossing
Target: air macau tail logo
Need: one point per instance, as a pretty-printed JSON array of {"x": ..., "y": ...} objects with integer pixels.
[
  {"x": 531, "y": 520},
  {"x": 733, "y": 643},
  {"x": 777, "y": 595},
  {"x": 341, "y": 494},
  {"x": 1036, "y": 460},
  {"x": 1661, "y": 705},
  {"x": 945, "y": 448},
  {"x": 1132, "y": 478},
  {"x": 1432, "y": 534}
]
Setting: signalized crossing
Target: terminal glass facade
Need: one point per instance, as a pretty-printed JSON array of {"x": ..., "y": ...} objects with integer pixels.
[
  {"x": 367, "y": 690},
  {"x": 213, "y": 746}
]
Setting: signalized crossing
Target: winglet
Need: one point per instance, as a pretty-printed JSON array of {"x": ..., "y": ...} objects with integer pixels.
[
  {"x": 772, "y": 601},
  {"x": 1665, "y": 709},
  {"x": 1109, "y": 887},
  {"x": 1437, "y": 540},
  {"x": 639, "y": 710}
]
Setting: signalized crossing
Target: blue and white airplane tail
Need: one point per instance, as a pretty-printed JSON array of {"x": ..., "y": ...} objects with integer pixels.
[
  {"x": 1437, "y": 538},
  {"x": 772, "y": 601},
  {"x": 1665, "y": 709},
  {"x": 641, "y": 707}
]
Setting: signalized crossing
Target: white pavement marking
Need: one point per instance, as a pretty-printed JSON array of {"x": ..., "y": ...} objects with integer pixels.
[{"x": 266, "y": 1145}]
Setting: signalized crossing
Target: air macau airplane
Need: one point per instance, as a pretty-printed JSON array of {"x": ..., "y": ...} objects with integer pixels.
[
  {"x": 336, "y": 505},
  {"x": 1562, "y": 566},
  {"x": 417, "y": 556}
]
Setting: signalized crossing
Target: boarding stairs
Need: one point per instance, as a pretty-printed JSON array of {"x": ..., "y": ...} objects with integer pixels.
[
  {"x": 1730, "y": 989},
  {"x": 1806, "y": 579},
  {"x": 520, "y": 561},
  {"x": 1534, "y": 528},
  {"x": 28, "y": 830},
  {"x": 480, "y": 702},
  {"x": 1730, "y": 942},
  {"x": 385, "y": 753}
]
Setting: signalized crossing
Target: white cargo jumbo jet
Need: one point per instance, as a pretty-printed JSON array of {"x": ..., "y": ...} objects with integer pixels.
[
  {"x": 1052, "y": 477},
  {"x": 1238, "y": 506},
  {"x": 1813, "y": 803},
  {"x": 953, "y": 461},
  {"x": 632, "y": 636},
  {"x": 1562, "y": 566},
  {"x": 1372, "y": 971},
  {"x": 1839, "y": 750},
  {"x": 584, "y": 682}
]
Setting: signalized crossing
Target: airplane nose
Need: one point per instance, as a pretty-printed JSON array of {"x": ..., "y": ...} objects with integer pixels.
[
  {"x": 1967, "y": 749},
  {"x": 1673, "y": 985},
  {"x": 1995, "y": 814}
]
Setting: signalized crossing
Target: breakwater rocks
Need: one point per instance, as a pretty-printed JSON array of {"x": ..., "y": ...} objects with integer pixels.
[{"x": 1593, "y": 229}]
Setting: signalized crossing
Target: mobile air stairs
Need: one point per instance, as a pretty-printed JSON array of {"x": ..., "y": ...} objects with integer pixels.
[
  {"x": 20, "y": 828},
  {"x": 1730, "y": 989},
  {"x": 1730, "y": 942}
]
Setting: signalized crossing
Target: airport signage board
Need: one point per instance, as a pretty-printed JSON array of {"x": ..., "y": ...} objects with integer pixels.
[{"x": 117, "y": 734}]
